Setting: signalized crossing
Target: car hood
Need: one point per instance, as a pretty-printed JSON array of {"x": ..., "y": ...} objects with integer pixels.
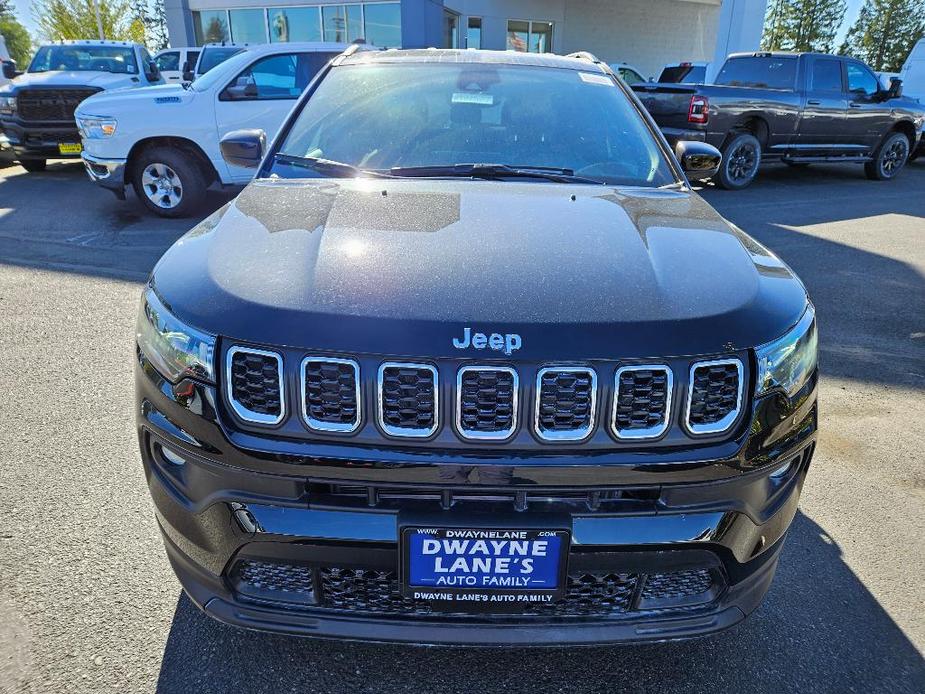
[
  {"x": 401, "y": 267},
  {"x": 158, "y": 94},
  {"x": 101, "y": 80}
]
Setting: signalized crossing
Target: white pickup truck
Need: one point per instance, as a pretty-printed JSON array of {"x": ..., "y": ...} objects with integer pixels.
[
  {"x": 164, "y": 141},
  {"x": 37, "y": 106}
]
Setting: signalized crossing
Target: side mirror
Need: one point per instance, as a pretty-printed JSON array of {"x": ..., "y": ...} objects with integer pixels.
[
  {"x": 9, "y": 69},
  {"x": 153, "y": 74},
  {"x": 188, "y": 75},
  {"x": 698, "y": 159},
  {"x": 244, "y": 147},
  {"x": 896, "y": 88},
  {"x": 240, "y": 92}
]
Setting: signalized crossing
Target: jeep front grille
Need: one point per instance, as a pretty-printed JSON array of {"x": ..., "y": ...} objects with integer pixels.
[
  {"x": 566, "y": 397},
  {"x": 255, "y": 385},
  {"x": 51, "y": 105},
  {"x": 714, "y": 396},
  {"x": 486, "y": 402},
  {"x": 408, "y": 400},
  {"x": 331, "y": 394},
  {"x": 642, "y": 401}
]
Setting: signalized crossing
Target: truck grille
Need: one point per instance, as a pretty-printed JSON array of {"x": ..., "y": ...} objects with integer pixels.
[
  {"x": 408, "y": 399},
  {"x": 642, "y": 401},
  {"x": 715, "y": 395},
  {"x": 378, "y": 591},
  {"x": 486, "y": 405},
  {"x": 51, "y": 104},
  {"x": 255, "y": 384},
  {"x": 331, "y": 394},
  {"x": 565, "y": 401}
]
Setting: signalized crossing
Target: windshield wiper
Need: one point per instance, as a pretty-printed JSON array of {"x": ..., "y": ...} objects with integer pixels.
[
  {"x": 489, "y": 171},
  {"x": 326, "y": 166}
]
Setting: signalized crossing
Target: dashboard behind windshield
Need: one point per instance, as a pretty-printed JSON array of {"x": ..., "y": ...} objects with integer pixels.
[{"x": 115, "y": 59}]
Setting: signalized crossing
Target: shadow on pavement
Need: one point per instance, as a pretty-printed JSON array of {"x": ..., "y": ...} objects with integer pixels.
[{"x": 819, "y": 630}]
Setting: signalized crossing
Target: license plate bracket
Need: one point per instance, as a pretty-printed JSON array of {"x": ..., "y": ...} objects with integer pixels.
[
  {"x": 69, "y": 148},
  {"x": 462, "y": 569}
]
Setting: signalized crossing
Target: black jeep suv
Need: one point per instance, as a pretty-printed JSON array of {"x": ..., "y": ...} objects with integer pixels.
[{"x": 469, "y": 362}]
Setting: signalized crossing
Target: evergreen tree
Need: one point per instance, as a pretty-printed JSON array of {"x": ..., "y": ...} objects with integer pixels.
[
  {"x": 884, "y": 32},
  {"x": 17, "y": 39},
  {"x": 803, "y": 25}
]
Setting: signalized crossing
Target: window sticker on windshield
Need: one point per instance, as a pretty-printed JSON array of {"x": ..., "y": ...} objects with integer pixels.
[
  {"x": 591, "y": 78},
  {"x": 130, "y": 68},
  {"x": 473, "y": 98}
]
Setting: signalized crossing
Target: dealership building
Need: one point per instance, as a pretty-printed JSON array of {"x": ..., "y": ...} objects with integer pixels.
[{"x": 645, "y": 33}]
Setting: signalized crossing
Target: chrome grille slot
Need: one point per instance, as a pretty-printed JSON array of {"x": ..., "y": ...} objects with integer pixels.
[
  {"x": 486, "y": 402},
  {"x": 642, "y": 401},
  {"x": 714, "y": 395},
  {"x": 254, "y": 385},
  {"x": 408, "y": 400},
  {"x": 566, "y": 397},
  {"x": 331, "y": 394}
]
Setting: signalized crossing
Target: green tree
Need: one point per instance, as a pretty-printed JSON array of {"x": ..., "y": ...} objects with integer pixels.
[
  {"x": 802, "y": 25},
  {"x": 76, "y": 19},
  {"x": 18, "y": 41},
  {"x": 150, "y": 22},
  {"x": 884, "y": 32}
]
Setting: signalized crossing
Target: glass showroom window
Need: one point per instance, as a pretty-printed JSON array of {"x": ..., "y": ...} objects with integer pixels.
[
  {"x": 295, "y": 24},
  {"x": 528, "y": 36},
  {"x": 248, "y": 26},
  {"x": 474, "y": 32},
  {"x": 450, "y": 29},
  {"x": 211, "y": 26},
  {"x": 383, "y": 24},
  {"x": 342, "y": 23}
]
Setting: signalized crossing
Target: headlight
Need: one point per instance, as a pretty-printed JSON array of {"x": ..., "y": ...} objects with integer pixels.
[
  {"x": 787, "y": 362},
  {"x": 8, "y": 105},
  {"x": 96, "y": 127},
  {"x": 175, "y": 349}
]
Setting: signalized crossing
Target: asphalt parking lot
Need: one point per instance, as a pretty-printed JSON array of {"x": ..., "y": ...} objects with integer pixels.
[{"x": 88, "y": 602}]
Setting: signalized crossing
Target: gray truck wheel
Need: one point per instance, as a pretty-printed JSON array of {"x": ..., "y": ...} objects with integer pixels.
[
  {"x": 889, "y": 158},
  {"x": 741, "y": 159},
  {"x": 168, "y": 182}
]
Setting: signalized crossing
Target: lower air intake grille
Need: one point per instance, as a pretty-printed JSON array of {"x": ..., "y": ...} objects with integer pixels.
[
  {"x": 565, "y": 401},
  {"x": 255, "y": 385},
  {"x": 715, "y": 395},
  {"x": 408, "y": 399},
  {"x": 274, "y": 581},
  {"x": 331, "y": 395},
  {"x": 681, "y": 584},
  {"x": 642, "y": 402},
  {"x": 487, "y": 407}
]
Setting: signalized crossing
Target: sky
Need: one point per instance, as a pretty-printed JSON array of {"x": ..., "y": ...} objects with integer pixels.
[{"x": 24, "y": 12}]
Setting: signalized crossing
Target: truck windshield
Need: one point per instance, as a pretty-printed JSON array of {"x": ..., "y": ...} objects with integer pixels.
[
  {"x": 211, "y": 57},
  {"x": 764, "y": 72},
  {"x": 79, "y": 58},
  {"x": 421, "y": 119}
]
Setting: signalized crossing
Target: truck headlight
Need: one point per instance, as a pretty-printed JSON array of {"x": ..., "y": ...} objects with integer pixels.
[
  {"x": 788, "y": 361},
  {"x": 8, "y": 105},
  {"x": 175, "y": 349},
  {"x": 96, "y": 127}
]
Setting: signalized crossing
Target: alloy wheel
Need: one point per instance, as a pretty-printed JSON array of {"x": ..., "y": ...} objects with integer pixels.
[
  {"x": 894, "y": 157},
  {"x": 162, "y": 186},
  {"x": 742, "y": 163}
]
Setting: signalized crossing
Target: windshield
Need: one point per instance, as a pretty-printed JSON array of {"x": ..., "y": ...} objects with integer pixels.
[
  {"x": 383, "y": 116},
  {"x": 118, "y": 59},
  {"x": 233, "y": 65},
  {"x": 212, "y": 57}
]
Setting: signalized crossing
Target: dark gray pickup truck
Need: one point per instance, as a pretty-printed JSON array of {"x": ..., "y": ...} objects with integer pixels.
[{"x": 793, "y": 107}]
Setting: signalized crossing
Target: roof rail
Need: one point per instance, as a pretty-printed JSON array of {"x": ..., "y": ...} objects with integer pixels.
[{"x": 584, "y": 55}]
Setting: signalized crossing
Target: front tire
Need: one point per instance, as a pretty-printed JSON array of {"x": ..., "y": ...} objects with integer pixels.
[
  {"x": 33, "y": 165},
  {"x": 741, "y": 159},
  {"x": 889, "y": 158},
  {"x": 168, "y": 182}
]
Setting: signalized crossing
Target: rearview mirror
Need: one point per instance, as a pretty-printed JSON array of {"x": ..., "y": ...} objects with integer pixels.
[
  {"x": 698, "y": 159},
  {"x": 896, "y": 88},
  {"x": 244, "y": 147},
  {"x": 9, "y": 69}
]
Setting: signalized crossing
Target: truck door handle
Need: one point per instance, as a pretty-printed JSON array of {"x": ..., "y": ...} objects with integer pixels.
[
  {"x": 814, "y": 102},
  {"x": 854, "y": 105}
]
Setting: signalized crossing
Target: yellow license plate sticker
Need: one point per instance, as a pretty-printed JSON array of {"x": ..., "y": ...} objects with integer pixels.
[{"x": 69, "y": 148}]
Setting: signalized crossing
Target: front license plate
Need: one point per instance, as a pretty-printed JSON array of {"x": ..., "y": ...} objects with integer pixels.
[
  {"x": 69, "y": 147},
  {"x": 479, "y": 569}
]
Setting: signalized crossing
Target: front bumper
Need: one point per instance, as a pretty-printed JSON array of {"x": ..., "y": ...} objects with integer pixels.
[
  {"x": 39, "y": 141},
  {"x": 108, "y": 173},
  {"x": 331, "y": 565}
]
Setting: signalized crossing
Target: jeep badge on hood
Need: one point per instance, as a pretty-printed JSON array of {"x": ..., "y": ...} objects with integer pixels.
[{"x": 509, "y": 342}]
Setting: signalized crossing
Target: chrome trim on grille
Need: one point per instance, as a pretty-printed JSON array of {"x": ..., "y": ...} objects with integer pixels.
[
  {"x": 727, "y": 421},
  {"x": 647, "y": 432},
  {"x": 239, "y": 409},
  {"x": 569, "y": 434},
  {"x": 317, "y": 424},
  {"x": 400, "y": 431},
  {"x": 487, "y": 435}
]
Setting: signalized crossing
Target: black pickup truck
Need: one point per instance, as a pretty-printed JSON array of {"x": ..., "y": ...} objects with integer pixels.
[{"x": 793, "y": 107}]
